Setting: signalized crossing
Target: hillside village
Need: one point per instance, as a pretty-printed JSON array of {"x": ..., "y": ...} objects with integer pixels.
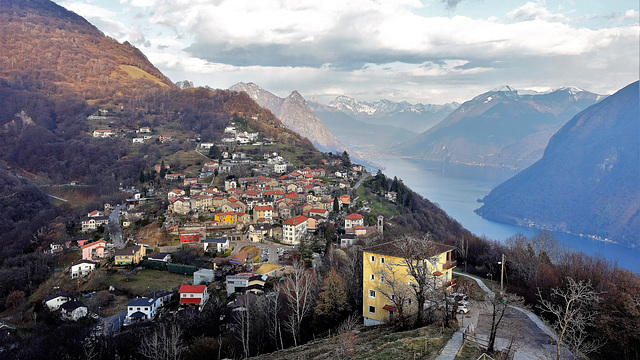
[{"x": 247, "y": 231}]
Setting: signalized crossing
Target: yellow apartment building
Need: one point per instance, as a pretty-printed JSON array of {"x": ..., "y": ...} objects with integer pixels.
[{"x": 385, "y": 271}]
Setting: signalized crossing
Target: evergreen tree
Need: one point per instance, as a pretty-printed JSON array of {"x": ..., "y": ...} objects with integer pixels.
[
  {"x": 346, "y": 161},
  {"x": 214, "y": 152},
  {"x": 336, "y": 205},
  {"x": 163, "y": 172}
]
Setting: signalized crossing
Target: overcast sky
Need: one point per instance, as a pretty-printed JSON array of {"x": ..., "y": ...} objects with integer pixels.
[{"x": 429, "y": 51}]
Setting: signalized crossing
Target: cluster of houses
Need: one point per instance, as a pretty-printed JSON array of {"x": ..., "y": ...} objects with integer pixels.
[
  {"x": 250, "y": 207},
  {"x": 232, "y": 135},
  {"x": 140, "y": 136}
]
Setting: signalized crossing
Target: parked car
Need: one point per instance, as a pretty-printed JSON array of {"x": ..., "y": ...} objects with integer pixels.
[{"x": 462, "y": 309}]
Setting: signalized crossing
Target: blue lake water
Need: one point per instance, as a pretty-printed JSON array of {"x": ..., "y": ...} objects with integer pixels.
[{"x": 457, "y": 189}]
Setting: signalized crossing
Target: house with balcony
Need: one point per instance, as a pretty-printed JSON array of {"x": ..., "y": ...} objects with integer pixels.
[
  {"x": 82, "y": 268},
  {"x": 93, "y": 251},
  {"x": 131, "y": 255},
  {"x": 294, "y": 230},
  {"x": 194, "y": 296},
  {"x": 385, "y": 270},
  {"x": 141, "y": 310}
]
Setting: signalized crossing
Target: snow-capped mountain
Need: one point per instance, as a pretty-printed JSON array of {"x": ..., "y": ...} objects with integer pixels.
[
  {"x": 501, "y": 127},
  {"x": 413, "y": 117}
]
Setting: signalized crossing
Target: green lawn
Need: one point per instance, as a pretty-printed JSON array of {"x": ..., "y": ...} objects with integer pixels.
[{"x": 147, "y": 280}]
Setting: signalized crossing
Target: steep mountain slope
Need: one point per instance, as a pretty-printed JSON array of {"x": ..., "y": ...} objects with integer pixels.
[
  {"x": 499, "y": 128},
  {"x": 369, "y": 140},
  {"x": 294, "y": 112},
  {"x": 588, "y": 180},
  {"x": 59, "y": 49},
  {"x": 416, "y": 118}
]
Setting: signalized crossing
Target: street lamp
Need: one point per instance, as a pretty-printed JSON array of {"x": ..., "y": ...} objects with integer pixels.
[{"x": 501, "y": 275}]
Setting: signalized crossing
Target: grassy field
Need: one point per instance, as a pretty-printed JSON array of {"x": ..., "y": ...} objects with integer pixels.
[
  {"x": 384, "y": 208},
  {"x": 141, "y": 283},
  {"x": 137, "y": 73}
]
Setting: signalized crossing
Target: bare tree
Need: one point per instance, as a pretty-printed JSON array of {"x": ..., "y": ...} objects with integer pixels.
[
  {"x": 242, "y": 322},
  {"x": 411, "y": 283},
  {"x": 498, "y": 304},
  {"x": 573, "y": 312},
  {"x": 462, "y": 247},
  {"x": 420, "y": 258},
  {"x": 344, "y": 341},
  {"x": 392, "y": 285},
  {"x": 274, "y": 310},
  {"x": 163, "y": 343},
  {"x": 298, "y": 289}
]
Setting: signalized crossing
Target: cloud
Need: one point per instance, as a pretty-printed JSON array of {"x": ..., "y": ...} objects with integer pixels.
[
  {"x": 533, "y": 11},
  {"x": 373, "y": 49}
]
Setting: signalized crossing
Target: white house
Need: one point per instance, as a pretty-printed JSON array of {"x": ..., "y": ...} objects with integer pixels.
[
  {"x": 280, "y": 168},
  {"x": 203, "y": 276},
  {"x": 102, "y": 133},
  {"x": 82, "y": 268},
  {"x": 53, "y": 302},
  {"x": 220, "y": 244},
  {"x": 141, "y": 309},
  {"x": 73, "y": 310},
  {"x": 353, "y": 220},
  {"x": 294, "y": 229},
  {"x": 245, "y": 282},
  {"x": 160, "y": 256},
  {"x": 193, "y": 296}
]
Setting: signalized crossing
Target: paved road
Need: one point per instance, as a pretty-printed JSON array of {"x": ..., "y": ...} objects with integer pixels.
[
  {"x": 113, "y": 323},
  {"x": 365, "y": 175},
  {"x": 532, "y": 338}
]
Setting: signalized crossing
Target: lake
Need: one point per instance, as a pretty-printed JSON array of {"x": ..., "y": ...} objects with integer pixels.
[{"x": 456, "y": 189}]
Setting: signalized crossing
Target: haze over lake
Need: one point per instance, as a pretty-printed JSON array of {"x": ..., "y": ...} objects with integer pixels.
[{"x": 457, "y": 189}]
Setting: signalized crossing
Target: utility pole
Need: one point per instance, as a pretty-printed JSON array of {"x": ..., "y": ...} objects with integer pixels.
[{"x": 502, "y": 276}]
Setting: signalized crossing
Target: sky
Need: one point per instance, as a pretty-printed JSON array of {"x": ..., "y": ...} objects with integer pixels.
[{"x": 420, "y": 51}]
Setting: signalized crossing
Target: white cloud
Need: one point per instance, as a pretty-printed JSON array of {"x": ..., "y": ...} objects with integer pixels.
[
  {"x": 533, "y": 11},
  {"x": 369, "y": 48}
]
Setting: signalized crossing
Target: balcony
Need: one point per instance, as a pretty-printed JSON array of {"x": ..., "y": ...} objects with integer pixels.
[{"x": 449, "y": 264}]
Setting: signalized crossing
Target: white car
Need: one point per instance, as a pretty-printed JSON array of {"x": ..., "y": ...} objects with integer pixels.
[{"x": 462, "y": 309}]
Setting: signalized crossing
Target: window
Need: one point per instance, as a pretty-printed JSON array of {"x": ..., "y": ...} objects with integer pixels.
[
  {"x": 372, "y": 309},
  {"x": 393, "y": 297},
  {"x": 372, "y": 294},
  {"x": 381, "y": 260},
  {"x": 373, "y": 258},
  {"x": 381, "y": 279},
  {"x": 373, "y": 277}
]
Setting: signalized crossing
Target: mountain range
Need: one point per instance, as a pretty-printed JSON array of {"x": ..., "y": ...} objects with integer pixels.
[
  {"x": 416, "y": 118},
  {"x": 295, "y": 113},
  {"x": 588, "y": 180},
  {"x": 500, "y": 128}
]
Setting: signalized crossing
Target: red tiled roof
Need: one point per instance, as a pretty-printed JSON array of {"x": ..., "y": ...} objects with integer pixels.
[
  {"x": 295, "y": 220},
  {"x": 91, "y": 244},
  {"x": 354, "y": 216},
  {"x": 192, "y": 288}
]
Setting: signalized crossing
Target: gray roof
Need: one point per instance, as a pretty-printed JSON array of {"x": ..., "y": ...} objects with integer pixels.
[
  {"x": 217, "y": 241},
  {"x": 69, "y": 306},
  {"x": 141, "y": 302}
]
